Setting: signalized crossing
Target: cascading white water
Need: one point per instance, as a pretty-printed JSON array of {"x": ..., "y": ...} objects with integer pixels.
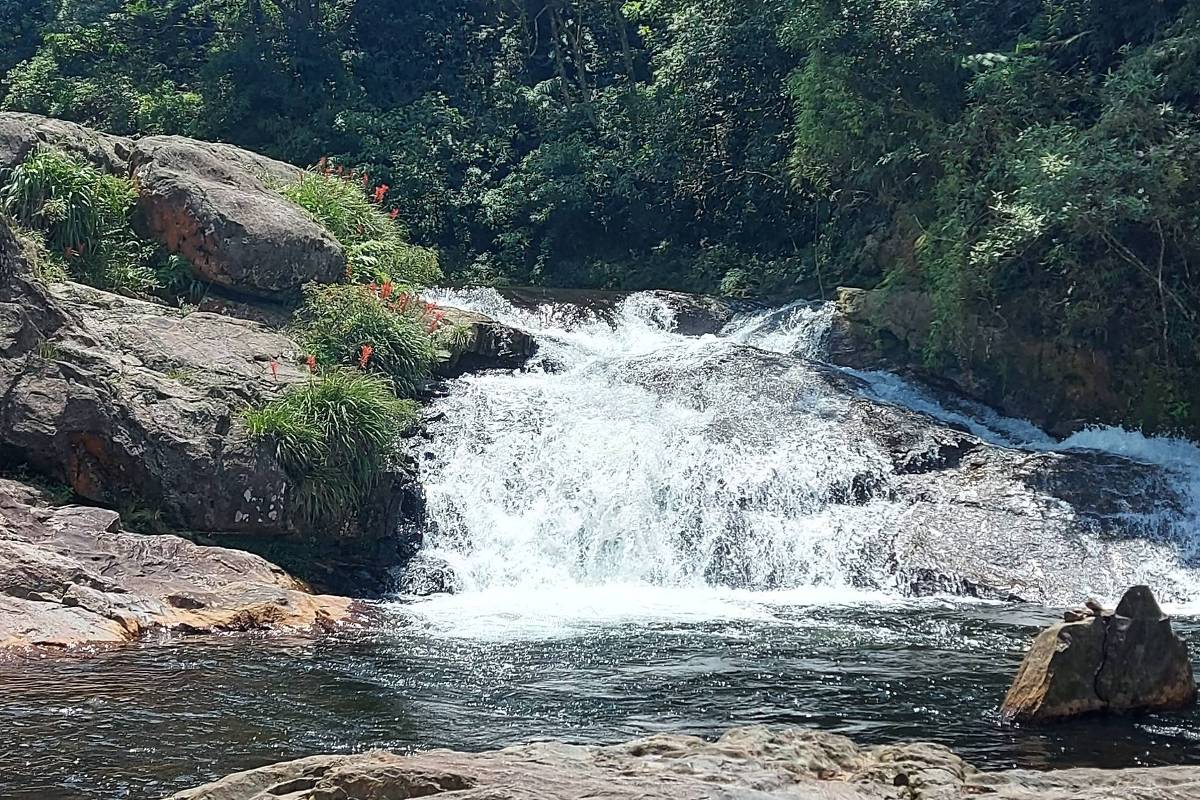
[{"x": 631, "y": 460}]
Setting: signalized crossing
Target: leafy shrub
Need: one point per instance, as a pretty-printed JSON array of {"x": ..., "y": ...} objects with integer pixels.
[
  {"x": 84, "y": 216},
  {"x": 376, "y": 246},
  {"x": 338, "y": 323},
  {"x": 334, "y": 435}
]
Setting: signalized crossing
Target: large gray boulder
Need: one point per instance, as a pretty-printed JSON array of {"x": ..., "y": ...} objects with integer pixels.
[
  {"x": 133, "y": 403},
  {"x": 745, "y": 764},
  {"x": 20, "y": 134},
  {"x": 1126, "y": 660},
  {"x": 138, "y": 405},
  {"x": 216, "y": 205},
  {"x": 70, "y": 576}
]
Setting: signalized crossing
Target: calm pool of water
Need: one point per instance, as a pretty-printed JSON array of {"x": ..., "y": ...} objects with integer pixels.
[{"x": 154, "y": 718}]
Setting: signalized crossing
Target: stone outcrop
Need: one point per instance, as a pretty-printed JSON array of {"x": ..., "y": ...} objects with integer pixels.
[
  {"x": 130, "y": 402},
  {"x": 20, "y": 134},
  {"x": 746, "y": 764},
  {"x": 216, "y": 205},
  {"x": 70, "y": 577},
  {"x": 1004, "y": 364},
  {"x": 487, "y": 344},
  {"x": 1121, "y": 661},
  {"x": 934, "y": 508}
]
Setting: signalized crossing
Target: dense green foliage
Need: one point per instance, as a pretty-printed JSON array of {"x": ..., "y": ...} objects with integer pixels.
[
  {"x": 1028, "y": 163},
  {"x": 336, "y": 323},
  {"x": 335, "y": 434},
  {"x": 375, "y": 245},
  {"x": 83, "y": 218}
]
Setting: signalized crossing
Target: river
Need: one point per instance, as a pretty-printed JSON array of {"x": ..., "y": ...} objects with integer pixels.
[{"x": 648, "y": 532}]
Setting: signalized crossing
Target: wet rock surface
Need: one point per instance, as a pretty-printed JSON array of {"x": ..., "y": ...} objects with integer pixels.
[
  {"x": 1120, "y": 661},
  {"x": 948, "y": 512},
  {"x": 486, "y": 344},
  {"x": 745, "y": 763},
  {"x": 70, "y": 577},
  {"x": 217, "y": 206}
]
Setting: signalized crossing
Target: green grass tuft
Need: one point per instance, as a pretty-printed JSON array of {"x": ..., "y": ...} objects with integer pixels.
[
  {"x": 376, "y": 247},
  {"x": 83, "y": 217},
  {"x": 334, "y": 435},
  {"x": 336, "y": 322}
]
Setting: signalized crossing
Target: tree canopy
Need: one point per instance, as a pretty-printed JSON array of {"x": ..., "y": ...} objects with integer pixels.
[{"x": 1030, "y": 163}]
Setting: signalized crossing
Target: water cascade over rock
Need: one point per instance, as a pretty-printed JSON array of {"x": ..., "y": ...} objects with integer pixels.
[{"x": 630, "y": 455}]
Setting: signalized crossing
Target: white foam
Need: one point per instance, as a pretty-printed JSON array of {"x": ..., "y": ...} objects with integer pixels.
[
  {"x": 533, "y": 613},
  {"x": 580, "y": 497}
]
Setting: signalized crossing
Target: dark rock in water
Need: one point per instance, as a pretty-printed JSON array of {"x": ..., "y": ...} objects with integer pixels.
[
  {"x": 427, "y": 575},
  {"x": 487, "y": 344},
  {"x": 21, "y": 134},
  {"x": 216, "y": 205},
  {"x": 745, "y": 764},
  {"x": 1127, "y": 660},
  {"x": 926, "y": 582},
  {"x": 71, "y": 577},
  {"x": 695, "y": 314}
]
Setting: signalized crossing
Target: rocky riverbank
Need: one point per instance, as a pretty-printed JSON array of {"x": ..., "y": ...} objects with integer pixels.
[
  {"x": 70, "y": 576},
  {"x": 135, "y": 404},
  {"x": 745, "y": 763}
]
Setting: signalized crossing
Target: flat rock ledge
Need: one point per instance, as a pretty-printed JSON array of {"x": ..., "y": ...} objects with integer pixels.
[
  {"x": 70, "y": 577},
  {"x": 746, "y": 764}
]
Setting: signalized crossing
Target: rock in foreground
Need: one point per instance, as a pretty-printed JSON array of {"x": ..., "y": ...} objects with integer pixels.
[
  {"x": 1127, "y": 660},
  {"x": 747, "y": 763},
  {"x": 70, "y": 576}
]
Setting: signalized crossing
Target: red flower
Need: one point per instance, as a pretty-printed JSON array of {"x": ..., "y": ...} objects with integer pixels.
[
  {"x": 275, "y": 370},
  {"x": 395, "y": 213},
  {"x": 404, "y": 301},
  {"x": 312, "y": 363},
  {"x": 380, "y": 192},
  {"x": 385, "y": 291},
  {"x": 365, "y": 356}
]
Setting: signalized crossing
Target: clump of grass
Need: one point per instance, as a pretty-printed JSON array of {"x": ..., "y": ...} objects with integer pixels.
[
  {"x": 338, "y": 324},
  {"x": 83, "y": 217},
  {"x": 376, "y": 246},
  {"x": 334, "y": 435}
]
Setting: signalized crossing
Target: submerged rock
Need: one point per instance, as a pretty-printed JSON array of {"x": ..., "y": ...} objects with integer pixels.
[
  {"x": 70, "y": 577},
  {"x": 216, "y": 205},
  {"x": 745, "y": 763},
  {"x": 1126, "y": 660},
  {"x": 428, "y": 575}
]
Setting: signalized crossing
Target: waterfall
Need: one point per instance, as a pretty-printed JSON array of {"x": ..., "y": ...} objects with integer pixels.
[{"x": 629, "y": 459}]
